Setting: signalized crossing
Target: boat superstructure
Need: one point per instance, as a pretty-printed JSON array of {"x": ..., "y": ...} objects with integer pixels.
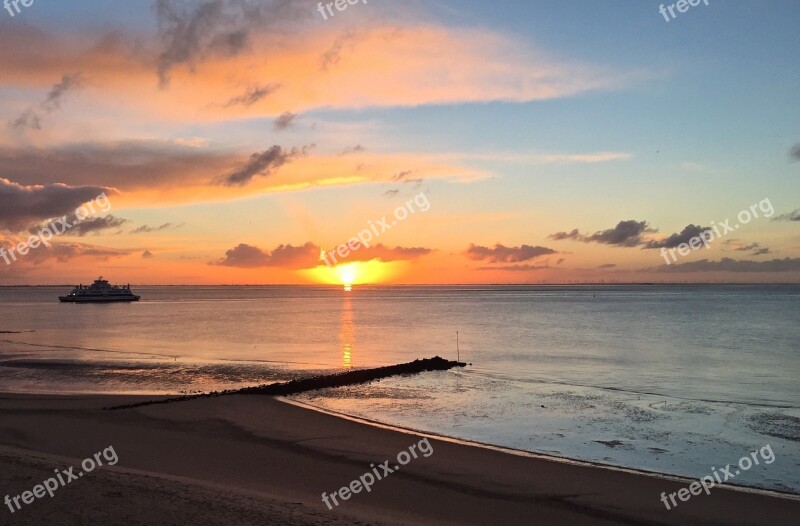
[{"x": 99, "y": 292}]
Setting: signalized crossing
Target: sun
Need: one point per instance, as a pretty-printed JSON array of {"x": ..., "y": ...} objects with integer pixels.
[{"x": 357, "y": 273}]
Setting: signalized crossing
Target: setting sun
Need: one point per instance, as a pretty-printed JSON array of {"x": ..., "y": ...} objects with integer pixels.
[{"x": 357, "y": 273}]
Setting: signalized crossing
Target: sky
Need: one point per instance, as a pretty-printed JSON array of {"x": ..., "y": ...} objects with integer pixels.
[{"x": 435, "y": 142}]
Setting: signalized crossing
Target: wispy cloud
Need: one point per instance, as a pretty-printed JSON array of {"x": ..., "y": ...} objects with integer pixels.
[
  {"x": 263, "y": 164},
  {"x": 31, "y": 119},
  {"x": 285, "y": 120},
  {"x": 503, "y": 254}
]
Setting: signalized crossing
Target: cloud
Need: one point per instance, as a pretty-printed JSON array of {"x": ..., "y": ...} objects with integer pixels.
[
  {"x": 503, "y": 254},
  {"x": 284, "y": 256},
  {"x": 381, "y": 252},
  {"x": 607, "y": 265},
  {"x": 96, "y": 225},
  {"x": 733, "y": 265},
  {"x": 264, "y": 164},
  {"x": 64, "y": 252},
  {"x": 625, "y": 234},
  {"x": 333, "y": 55},
  {"x": 791, "y": 216},
  {"x": 252, "y": 95},
  {"x": 149, "y": 171},
  {"x": 517, "y": 268},
  {"x": 146, "y": 229},
  {"x": 126, "y": 165},
  {"x": 794, "y": 153},
  {"x": 147, "y": 254},
  {"x": 688, "y": 232},
  {"x": 573, "y": 234},
  {"x": 757, "y": 249},
  {"x": 285, "y": 120},
  {"x": 242, "y": 42},
  {"x": 400, "y": 175},
  {"x": 31, "y": 119},
  {"x": 352, "y": 149},
  {"x": 22, "y": 205},
  {"x": 192, "y": 32}
]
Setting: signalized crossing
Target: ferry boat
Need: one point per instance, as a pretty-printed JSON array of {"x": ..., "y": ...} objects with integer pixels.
[{"x": 99, "y": 292}]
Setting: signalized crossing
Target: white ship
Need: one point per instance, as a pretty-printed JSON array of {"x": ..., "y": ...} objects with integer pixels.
[{"x": 99, "y": 292}]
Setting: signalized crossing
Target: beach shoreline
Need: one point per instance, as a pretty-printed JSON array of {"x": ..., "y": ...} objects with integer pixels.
[{"x": 285, "y": 456}]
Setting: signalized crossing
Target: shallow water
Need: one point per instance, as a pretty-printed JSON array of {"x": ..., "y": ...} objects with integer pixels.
[{"x": 678, "y": 379}]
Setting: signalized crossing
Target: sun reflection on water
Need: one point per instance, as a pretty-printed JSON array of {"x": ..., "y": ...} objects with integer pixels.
[{"x": 347, "y": 335}]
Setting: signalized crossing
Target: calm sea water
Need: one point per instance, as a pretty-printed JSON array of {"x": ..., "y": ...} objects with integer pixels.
[{"x": 670, "y": 378}]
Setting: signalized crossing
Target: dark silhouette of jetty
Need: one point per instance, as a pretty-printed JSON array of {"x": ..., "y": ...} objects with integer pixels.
[{"x": 320, "y": 382}]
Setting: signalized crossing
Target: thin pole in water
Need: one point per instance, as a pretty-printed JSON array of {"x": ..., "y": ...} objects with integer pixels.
[{"x": 457, "y": 348}]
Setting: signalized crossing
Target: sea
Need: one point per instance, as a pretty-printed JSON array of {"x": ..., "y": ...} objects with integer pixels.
[{"x": 677, "y": 379}]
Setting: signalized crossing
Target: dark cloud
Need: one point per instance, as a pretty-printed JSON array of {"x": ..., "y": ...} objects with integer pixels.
[
  {"x": 503, "y": 254},
  {"x": 147, "y": 254},
  {"x": 285, "y": 256},
  {"x": 561, "y": 236},
  {"x": 791, "y": 216},
  {"x": 191, "y": 31},
  {"x": 625, "y": 234},
  {"x": 689, "y": 232},
  {"x": 517, "y": 268},
  {"x": 754, "y": 248},
  {"x": 64, "y": 252},
  {"x": 264, "y": 164},
  {"x": 253, "y": 95},
  {"x": 22, "y": 205},
  {"x": 126, "y": 165},
  {"x": 400, "y": 175},
  {"x": 333, "y": 55},
  {"x": 379, "y": 251},
  {"x": 54, "y": 97},
  {"x": 607, "y": 265},
  {"x": 352, "y": 149},
  {"x": 285, "y": 120},
  {"x": 794, "y": 153},
  {"x": 384, "y": 253},
  {"x": 733, "y": 265},
  {"x": 95, "y": 225},
  {"x": 30, "y": 119},
  {"x": 146, "y": 229},
  {"x": 560, "y": 261}
]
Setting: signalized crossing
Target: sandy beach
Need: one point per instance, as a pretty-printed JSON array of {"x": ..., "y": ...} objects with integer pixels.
[{"x": 256, "y": 460}]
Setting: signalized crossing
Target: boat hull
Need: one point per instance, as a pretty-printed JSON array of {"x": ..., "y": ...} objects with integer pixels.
[{"x": 99, "y": 299}]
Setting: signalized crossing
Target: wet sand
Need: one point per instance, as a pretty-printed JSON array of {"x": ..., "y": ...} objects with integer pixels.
[{"x": 257, "y": 460}]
